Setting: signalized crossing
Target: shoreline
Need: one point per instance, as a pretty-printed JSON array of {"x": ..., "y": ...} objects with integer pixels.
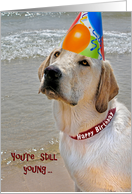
[{"x": 55, "y": 179}]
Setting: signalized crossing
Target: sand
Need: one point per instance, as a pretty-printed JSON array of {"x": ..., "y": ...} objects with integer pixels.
[{"x": 57, "y": 181}]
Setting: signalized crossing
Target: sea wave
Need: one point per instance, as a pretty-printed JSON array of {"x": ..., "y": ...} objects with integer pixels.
[
  {"x": 32, "y": 44},
  {"x": 36, "y": 14},
  {"x": 117, "y": 42}
]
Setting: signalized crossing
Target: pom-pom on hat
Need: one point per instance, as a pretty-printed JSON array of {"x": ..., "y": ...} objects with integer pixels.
[{"x": 85, "y": 36}]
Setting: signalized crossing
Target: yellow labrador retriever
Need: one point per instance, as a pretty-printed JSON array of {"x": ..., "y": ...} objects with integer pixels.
[{"x": 95, "y": 129}]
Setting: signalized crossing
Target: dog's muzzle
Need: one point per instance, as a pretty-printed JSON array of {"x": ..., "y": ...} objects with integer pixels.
[{"x": 50, "y": 87}]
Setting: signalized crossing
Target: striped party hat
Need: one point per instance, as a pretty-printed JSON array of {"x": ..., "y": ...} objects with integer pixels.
[{"x": 85, "y": 36}]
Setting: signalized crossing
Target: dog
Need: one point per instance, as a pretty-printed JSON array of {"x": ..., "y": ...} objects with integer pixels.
[{"x": 83, "y": 90}]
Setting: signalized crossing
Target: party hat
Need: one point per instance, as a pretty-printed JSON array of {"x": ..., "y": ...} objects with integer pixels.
[{"x": 85, "y": 36}]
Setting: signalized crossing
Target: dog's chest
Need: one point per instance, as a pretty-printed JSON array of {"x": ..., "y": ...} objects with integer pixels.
[
  {"x": 83, "y": 165},
  {"x": 90, "y": 167}
]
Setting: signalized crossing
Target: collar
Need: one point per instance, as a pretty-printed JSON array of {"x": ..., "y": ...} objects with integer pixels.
[{"x": 96, "y": 129}]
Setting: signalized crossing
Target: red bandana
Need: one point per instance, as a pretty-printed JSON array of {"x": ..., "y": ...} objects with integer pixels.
[{"x": 96, "y": 129}]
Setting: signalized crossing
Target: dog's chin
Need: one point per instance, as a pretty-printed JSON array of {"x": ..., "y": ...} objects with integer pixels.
[
  {"x": 49, "y": 92},
  {"x": 52, "y": 94}
]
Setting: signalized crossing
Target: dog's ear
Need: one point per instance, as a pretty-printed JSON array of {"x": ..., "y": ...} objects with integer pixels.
[
  {"x": 43, "y": 66},
  {"x": 107, "y": 88}
]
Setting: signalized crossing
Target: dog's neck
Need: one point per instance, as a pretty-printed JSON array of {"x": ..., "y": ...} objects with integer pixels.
[{"x": 73, "y": 120}]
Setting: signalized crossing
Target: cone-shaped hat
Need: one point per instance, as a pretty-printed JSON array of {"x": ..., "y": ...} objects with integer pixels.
[{"x": 85, "y": 36}]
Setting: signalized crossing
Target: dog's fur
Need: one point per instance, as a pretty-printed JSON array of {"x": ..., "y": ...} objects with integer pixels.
[{"x": 82, "y": 97}]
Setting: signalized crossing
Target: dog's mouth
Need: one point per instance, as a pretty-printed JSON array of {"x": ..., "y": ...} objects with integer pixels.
[
  {"x": 49, "y": 92},
  {"x": 53, "y": 94}
]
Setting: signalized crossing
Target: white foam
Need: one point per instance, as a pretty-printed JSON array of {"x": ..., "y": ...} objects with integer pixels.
[{"x": 38, "y": 43}]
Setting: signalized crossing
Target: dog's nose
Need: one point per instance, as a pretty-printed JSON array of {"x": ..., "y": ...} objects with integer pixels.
[{"x": 52, "y": 72}]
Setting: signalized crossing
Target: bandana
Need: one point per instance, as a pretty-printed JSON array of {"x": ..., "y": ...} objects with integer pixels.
[{"x": 96, "y": 129}]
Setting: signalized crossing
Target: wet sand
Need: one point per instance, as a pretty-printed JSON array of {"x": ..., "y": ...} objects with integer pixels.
[{"x": 57, "y": 181}]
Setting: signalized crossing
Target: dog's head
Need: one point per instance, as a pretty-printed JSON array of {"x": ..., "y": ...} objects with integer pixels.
[{"x": 71, "y": 77}]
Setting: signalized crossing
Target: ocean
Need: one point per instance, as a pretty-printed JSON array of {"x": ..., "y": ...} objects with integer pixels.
[{"x": 27, "y": 124}]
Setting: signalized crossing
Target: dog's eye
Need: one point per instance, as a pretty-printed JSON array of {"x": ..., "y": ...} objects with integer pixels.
[
  {"x": 57, "y": 54},
  {"x": 84, "y": 63}
]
